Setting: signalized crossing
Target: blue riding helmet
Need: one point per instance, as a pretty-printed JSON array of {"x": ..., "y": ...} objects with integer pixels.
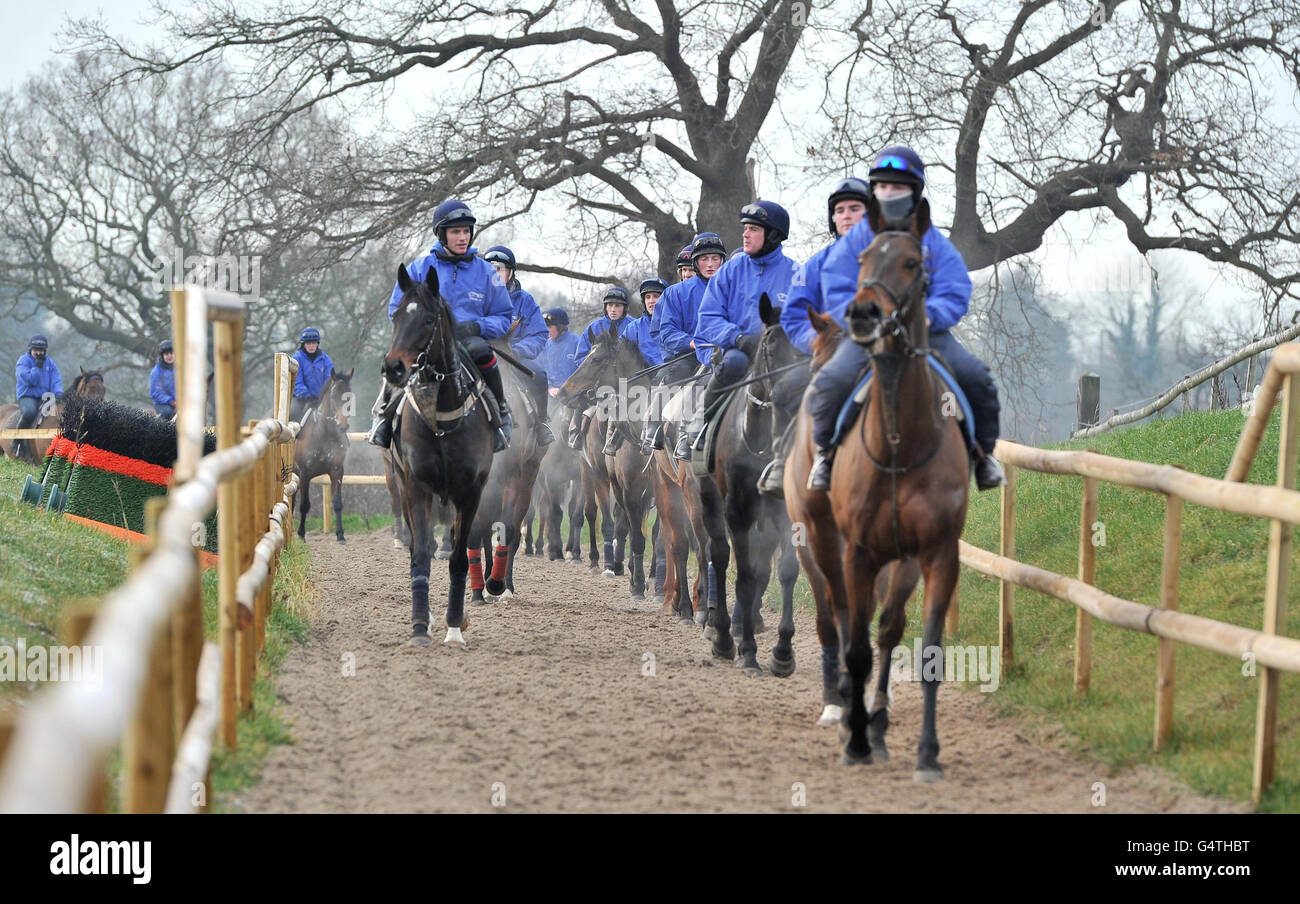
[
  {"x": 684, "y": 258},
  {"x": 500, "y": 254},
  {"x": 653, "y": 284},
  {"x": 310, "y": 334},
  {"x": 851, "y": 188},
  {"x": 768, "y": 214},
  {"x": 707, "y": 243},
  {"x": 617, "y": 295},
  {"x": 556, "y": 316},
  {"x": 39, "y": 342},
  {"x": 452, "y": 213},
  {"x": 898, "y": 164},
  {"x": 165, "y": 346}
]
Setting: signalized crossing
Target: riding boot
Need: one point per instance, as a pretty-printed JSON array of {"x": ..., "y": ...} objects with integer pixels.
[
  {"x": 772, "y": 481},
  {"x": 819, "y": 478},
  {"x": 651, "y": 438},
  {"x": 988, "y": 473},
  {"x": 381, "y": 432},
  {"x": 611, "y": 440},
  {"x": 492, "y": 377},
  {"x": 688, "y": 433},
  {"x": 18, "y": 450},
  {"x": 544, "y": 435}
]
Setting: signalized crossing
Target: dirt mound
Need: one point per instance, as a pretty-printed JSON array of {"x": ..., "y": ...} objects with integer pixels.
[{"x": 551, "y": 709}]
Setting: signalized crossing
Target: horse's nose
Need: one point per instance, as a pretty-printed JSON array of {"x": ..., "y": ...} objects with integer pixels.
[{"x": 394, "y": 370}]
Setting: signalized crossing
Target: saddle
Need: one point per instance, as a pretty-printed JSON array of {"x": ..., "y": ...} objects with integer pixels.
[
  {"x": 422, "y": 396},
  {"x": 857, "y": 400},
  {"x": 703, "y": 460}
]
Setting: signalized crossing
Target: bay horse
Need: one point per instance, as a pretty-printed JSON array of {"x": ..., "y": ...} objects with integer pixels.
[
  {"x": 755, "y": 524},
  {"x": 559, "y": 484},
  {"x": 620, "y": 482},
  {"x": 322, "y": 445},
  {"x": 898, "y": 495},
  {"x": 681, "y": 520},
  {"x": 89, "y": 383},
  {"x": 445, "y": 459}
]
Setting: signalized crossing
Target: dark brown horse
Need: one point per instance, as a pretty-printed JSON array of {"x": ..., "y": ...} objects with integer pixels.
[
  {"x": 322, "y": 445},
  {"x": 898, "y": 491},
  {"x": 620, "y": 481},
  {"x": 444, "y": 457},
  {"x": 89, "y": 383},
  {"x": 755, "y": 524},
  {"x": 681, "y": 516},
  {"x": 559, "y": 484}
]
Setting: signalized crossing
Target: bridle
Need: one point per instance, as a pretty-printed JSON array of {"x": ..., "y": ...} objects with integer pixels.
[
  {"x": 426, "y": 372},
  {"x": 894, "y": 325}
]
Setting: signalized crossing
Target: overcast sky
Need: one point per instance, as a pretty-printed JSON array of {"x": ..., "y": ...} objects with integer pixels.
[{"x": 1076, "y": 255}]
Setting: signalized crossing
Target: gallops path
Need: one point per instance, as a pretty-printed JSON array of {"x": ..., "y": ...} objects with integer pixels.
[{"x": 550, "y": 710}]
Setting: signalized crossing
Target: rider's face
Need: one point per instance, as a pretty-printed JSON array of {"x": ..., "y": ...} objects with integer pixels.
[
  {"x": 503, "y": 272},
  {"x": 553, "y": 331},
  {"x": 310, "y": 347},
  {"x": 888, "y": 191},
  {"x": 170, "y": 357},
  {"x": 685, "y": 273},
  {"x": 847, "y": 214},
  {"x": 751, "y": 237},
  {"x": 458, "y": 239},
  {"x": 650, "y": 299},
  {"x": 708, "y": 264},
  {"x": 615, "y": 310},
  {"x": 37, "y": 353}
]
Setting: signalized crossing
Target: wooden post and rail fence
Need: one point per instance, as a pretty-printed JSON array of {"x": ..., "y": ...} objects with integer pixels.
[
  {"x": 1272, "y": 652},
  {"x": 164, "y": 693}
]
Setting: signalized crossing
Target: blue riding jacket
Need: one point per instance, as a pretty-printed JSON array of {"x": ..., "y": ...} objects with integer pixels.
[
  {"x": 470, "y": 287},
  {"x": 730, "y": 305},
  {"x": 530, "y": 337},
  {"x": 162, "y": 384},
  {"x": 557, "y": 358},
  {"x": 950, "y": 285},
  {"x": 676, "y": 314},
  {"x": 805, "y": 294},
  {"x": 32, "y": 379},
  {"x": 313, "y": 373},
  {"x": 630, "y": 328}
]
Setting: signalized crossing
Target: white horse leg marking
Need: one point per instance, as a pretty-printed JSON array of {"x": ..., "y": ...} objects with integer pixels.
[
  {"x": 454, "y": 638},
  {"x": 831, "y": 714}
]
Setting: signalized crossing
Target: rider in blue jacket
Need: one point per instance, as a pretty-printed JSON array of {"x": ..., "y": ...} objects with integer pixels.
[
  {"x": 729, "y": 328},
  {"x": 529, "y": 337},
  {"x": 162, "y": 381},
  {"x": 314, "y": 369},
  {"x": 37, "y": 382},
  {"x": 479, "y": 304},
  {"x": 845, "y": 207},
  {"x": 685, "y": 265},
  {"x": 897, "y": 181},
  {"x": 557, "y": 355}
]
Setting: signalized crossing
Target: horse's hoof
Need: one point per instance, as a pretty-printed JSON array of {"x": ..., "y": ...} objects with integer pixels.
[
  {"x": 454, "y": 639},
  {"x": 420, "y": 636},
  {"x": 686, "y": 622},
  {"x": 397, "y": 544},
  {"x": 781, "y": 668},
  {"x": 753, "y": 670},
  {"x": 637, "y": 596},
  {"x": 729, "y": 652},
  {"x": 928, "y": 776},
  {"x": 659, "y": 598},
  {"x": 850, "y": 758},
  {"x": 495, "y": 587},
  {"x": 701, "y": 617},
  {"x": 710, "y": 633},
  {"x": 508, "y": 594},
  {"x": 341, "y": 540},
  {"x": 608, "y": 573},
  {"x": 442, "y": 554},
  {"x": 881, "y": 752},
  {"x": 831, "y": 715}
]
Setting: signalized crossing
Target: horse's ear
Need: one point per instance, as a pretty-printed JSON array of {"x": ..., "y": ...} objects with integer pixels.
[
  {"x": 921, "y": 222},
  {"x": 331, "y": 373},
  {"x": 404, "y": 279},
  {"x": 875, "y": 219},
  {"x": 820, "y": 322},
  {"x": 431, "y": 280},
  {"x": 591, "y": 337},
  {"x": 765, "y": 309},
  {"x": 350, "y": 372},
  {"x": 84, "y": 375}
]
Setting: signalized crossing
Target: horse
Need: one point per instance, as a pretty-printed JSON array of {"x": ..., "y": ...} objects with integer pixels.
[
  {"x": 559, "y": 486},
  {"x": 619, "y": 480},
  {"x": 897, "y": 502},
  {"x": 681, "y": 516},
  {"x": 88, "y": 383},
  {"x": 504, "y": 503},
  {"x": 447, "y": 458},
  {"x": 322, "y": 445},
  {"x": 755, "y": 524}
]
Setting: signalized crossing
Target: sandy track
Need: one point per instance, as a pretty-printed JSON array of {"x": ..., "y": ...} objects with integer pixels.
[{"x": 550, "y": 701}]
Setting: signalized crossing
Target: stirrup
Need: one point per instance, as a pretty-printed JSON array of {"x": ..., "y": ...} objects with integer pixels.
[
  {"x": 544, "y": 435},
  {"x": 772, "y": 481},
  {"x": 819, "y": 477},
  {"x": 380, "y": 434}
]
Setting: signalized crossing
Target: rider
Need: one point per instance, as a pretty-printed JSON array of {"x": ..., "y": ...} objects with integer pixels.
[
  {"x": 685, "y": 265},
  {"x": 529, "y": 338},
  {"x": 897, "y": 181},
  {"x": 729, "y": 329},
  {"x": 846, "y": 205},
  {"x": 36, "y": 379},
  {"x": 314, "y": 369},
  {"x": 616, "y": 304},
  {"x": 479, "y": 304},
  {"x": 162, "y": 381},
  {"x": 557, "y": 355}
]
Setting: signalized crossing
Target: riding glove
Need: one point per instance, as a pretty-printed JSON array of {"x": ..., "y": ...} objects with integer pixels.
[
  {"x": 465, "y": 330},
  {"x": 748, "y": 343}
]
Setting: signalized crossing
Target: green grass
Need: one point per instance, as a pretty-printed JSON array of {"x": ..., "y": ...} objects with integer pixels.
[
  {"x": 48, "y": 564},
  {"x": 1222, "y": 569},
  {"x": 352, "y": 524}
]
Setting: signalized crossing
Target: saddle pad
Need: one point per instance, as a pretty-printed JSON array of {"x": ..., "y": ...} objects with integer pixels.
[
  {"x": 857, "y": 400},
  {"x": 703, "y": 461}
]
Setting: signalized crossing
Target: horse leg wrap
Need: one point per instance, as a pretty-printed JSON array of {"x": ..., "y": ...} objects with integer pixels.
[
  {"x": 475, "y": 570},
  {"x": 831, "y": 677},
  {"x": 500, "y": 557},
  {"x": 456, "y": 590},
  {"x": 420, "y": 599}
]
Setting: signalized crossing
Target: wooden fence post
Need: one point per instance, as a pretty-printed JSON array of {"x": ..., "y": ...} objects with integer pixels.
[
  {"x": 1275, "y": 592},
  {"x": 1007, "y": 598},
  {"x": 245, "y": 637},
  {"x": 227, "y": 341},
  {"x": 76, "y": 623},
  {"x": 1087, "y": 574},
  {"x": 1088, "y": 411},
  {"x": 1166, "y": 648}
]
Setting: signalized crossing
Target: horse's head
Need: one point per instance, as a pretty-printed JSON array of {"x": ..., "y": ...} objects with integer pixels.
[
  {"x": 599, "y": 368},
  {"x": 337, "y": 400},
  {"x": 827, "y": 339},
  {"x": 774, "y": 347},
  {"x": 892, "y": 280},
  {"x": 90, "y": 383},
  {"x": 422, "y": 329}
]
